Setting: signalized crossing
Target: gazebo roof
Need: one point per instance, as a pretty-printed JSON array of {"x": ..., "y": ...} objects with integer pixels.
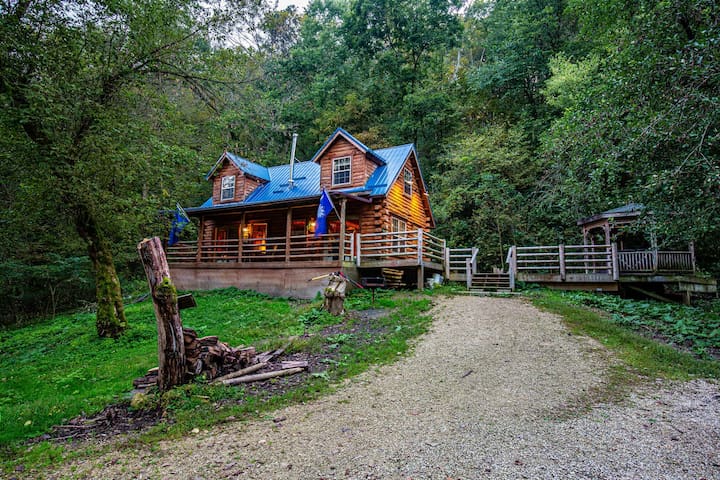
[{"x": 627, "y": 212}]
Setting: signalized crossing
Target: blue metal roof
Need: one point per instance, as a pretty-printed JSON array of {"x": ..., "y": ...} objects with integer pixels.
[
  {"x": 245, "y": 165},
  {"x": 385, "y": 175},
  {"x": 307, "y": 180}
]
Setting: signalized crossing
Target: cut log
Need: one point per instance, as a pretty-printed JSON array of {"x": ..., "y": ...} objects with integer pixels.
[
  {"x": 294, "y": 364},
  {"x": 262, "y": 376},
  {"x": 240, "y": 373}
]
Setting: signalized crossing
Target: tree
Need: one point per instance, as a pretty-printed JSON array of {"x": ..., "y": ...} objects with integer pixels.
[
  {"x": 78, "y": 84},
  {"x": 642, "y": 122}
]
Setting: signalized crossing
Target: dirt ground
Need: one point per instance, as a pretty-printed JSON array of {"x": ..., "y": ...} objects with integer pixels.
[{"x": 491, "y": 392}]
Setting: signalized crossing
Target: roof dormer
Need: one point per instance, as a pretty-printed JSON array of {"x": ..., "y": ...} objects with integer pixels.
[
  {"x": 345, "y": 161},
  {"x": 234, "y": 178}
]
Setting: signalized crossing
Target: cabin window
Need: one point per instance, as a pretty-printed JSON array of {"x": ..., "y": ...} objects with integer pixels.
[
  {"x": 341, "y": 171},
  {"x": 227, "y": 191},
  {"x": 407, "y": 181}
]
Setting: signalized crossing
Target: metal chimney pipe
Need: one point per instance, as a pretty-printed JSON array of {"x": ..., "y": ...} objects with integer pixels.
[{"x": 291, "y": 181}]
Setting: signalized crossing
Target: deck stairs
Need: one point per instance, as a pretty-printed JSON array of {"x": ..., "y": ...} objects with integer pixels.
[{"x": 490, "y": 282}]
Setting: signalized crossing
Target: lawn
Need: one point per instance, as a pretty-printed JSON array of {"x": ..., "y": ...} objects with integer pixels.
[{"x": 58, "y": 368}]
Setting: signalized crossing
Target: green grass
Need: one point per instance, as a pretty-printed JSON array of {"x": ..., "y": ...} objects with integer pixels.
[
  {"x": 57, "y": 369},
  {"x": 644, "y": 356}
]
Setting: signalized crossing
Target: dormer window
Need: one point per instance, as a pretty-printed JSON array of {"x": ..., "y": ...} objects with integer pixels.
[
  {"x": 341, "y": 171},
  {"x": 407, "y": 181},
  {"x": 227, "y": 191}
]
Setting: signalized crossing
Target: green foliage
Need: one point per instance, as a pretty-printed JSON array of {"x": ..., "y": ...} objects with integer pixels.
[
  {"x": 686, "y": 327},
  {"x": 644, "y": 356}
]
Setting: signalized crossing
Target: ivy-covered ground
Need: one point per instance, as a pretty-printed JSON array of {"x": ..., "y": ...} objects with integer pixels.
[{"x": 693, "y": 328}]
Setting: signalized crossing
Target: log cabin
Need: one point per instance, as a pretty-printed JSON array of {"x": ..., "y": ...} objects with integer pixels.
[{"x": 257, "y": 230}]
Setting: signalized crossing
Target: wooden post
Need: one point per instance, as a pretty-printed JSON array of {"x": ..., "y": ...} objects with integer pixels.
[
  {"x": 468, "y": 273},
  {"x": 561, "y": 257},
  {"x": 171, "y": 346},
  {"x": 691, "y": 247},
  {"x": 615, "y": 268},
  {"x": 288, "y": 231},
  {"x": 512, "y": 267},
  {"x": 473, "y": 266},
  {"x": 353, "y": 237},
  {"x": 201, "y": 233},
  {"x": 447, "y": 260},
  {"x": 343, "y": 211},
  {"x": 241, "y": 238},
  {"x": 420, "y": 246},
  {"x": 359, "y": 245}
]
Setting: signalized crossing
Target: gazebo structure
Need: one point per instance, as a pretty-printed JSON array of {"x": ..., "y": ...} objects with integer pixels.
[
  {"x": 611, "y": 258},
  {"x": 609, "y": 226}
]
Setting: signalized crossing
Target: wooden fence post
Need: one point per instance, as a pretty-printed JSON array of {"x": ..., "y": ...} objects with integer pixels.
[
  {"x": 561, "y": 257},
  {"x": 468, "y": 273},
  {"x": 691, "y": 247},
  {"x": 447, "y": 261},
  {"x": 615, "y": 269},
  {"x": 512, "y": 267},
  {"x": 171, "y": 345}
]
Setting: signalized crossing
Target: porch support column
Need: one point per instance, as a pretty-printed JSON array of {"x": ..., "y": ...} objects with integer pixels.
[
  {"x": 606, "y": 229},
  {"x": 341, "y": 247},
  {"x": 288, "y": 231},
  {"x": 241, "y": 238}
]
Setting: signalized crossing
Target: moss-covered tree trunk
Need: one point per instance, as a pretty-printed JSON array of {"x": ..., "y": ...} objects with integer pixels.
[{"x": 110, "y": 318}]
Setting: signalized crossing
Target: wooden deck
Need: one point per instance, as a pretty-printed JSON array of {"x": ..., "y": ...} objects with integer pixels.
[
  {"x": 218, "y": 263},
  {"x": 603, "y": 267}
]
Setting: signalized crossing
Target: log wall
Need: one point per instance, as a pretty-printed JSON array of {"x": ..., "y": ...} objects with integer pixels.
[
  {"x": 360, "y": 167},
  {"x": 410, "y": 208}
]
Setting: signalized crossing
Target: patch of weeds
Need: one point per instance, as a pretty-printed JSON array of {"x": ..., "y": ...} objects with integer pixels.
[
  {"x": 697, "y": 329},
  {"x": 645, "y": 356}
]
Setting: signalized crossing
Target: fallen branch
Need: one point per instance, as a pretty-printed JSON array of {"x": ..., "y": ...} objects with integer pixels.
[
  {"x": 262, "y": 376},
  {"x": 269, "y": 356},
  {"x": 240, "y": 373}
]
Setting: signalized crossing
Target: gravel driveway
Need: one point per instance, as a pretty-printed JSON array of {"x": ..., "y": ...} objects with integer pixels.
[{"x": 485, "y": 395}]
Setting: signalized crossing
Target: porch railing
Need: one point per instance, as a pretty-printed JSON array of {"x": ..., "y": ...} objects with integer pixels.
[
  {"x": 270, "y": 249},
  {"x": 413, "y": 246}
]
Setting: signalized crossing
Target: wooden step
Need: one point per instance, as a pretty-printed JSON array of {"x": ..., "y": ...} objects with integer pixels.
[{"x": 490, "y": 282}]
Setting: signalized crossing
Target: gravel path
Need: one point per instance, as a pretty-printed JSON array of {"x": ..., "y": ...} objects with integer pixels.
[{"x": 481, "y": 397}]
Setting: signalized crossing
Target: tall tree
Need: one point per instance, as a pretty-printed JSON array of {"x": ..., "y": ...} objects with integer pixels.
[{"x": 75, "y": 78}]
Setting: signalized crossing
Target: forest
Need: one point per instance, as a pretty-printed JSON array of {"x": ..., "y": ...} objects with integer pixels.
[{"x": 526, "y": 114}]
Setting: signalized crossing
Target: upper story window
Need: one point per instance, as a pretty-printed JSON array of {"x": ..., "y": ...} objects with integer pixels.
[
  {"x": 227, "y": 191},
  {"x": 341, "y": 171},
  {"x": 407, "y": 181}
]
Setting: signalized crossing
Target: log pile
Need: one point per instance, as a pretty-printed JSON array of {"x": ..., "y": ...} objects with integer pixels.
[
  {"x": 220, "y": 363},
  {"x": 212, "y": 357}
]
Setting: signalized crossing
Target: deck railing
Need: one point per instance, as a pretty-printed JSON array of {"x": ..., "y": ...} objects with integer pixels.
[
  {"x": 605, "y": 260},
  {"x": 297, "y": 248},
  {"x": 656, "y": 261},
  {"x": 413, "y": 246},
  {"x": 456, "y": 262}
]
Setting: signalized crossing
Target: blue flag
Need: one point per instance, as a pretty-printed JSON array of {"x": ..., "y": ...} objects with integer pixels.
[
  {"x": 178, "y": 223},
  {"x": 326, "y": 206}
]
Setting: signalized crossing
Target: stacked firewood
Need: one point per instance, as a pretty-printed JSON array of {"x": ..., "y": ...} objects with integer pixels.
[
  {"x": 221, "y": 363},
  {"x": 212, "y": 357}
]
